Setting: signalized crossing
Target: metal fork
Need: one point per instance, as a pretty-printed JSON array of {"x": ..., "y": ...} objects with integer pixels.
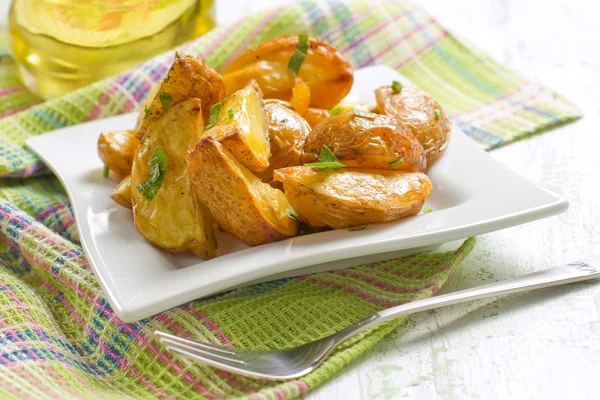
[{"x": 298, "y": 361}]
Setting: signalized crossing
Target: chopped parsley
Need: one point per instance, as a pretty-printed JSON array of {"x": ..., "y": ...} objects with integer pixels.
[
  {"x": 165, "y": 99},
  {"x": 230, "y": 113},
  {"x": 437, "y": 114},
  {"x": 364, "y": 114},
  {"x": 358, "y": 228},
  {"x": 105, "y": 171},
  {"x": 427, "y": 210},
  {"x": 158, "y": 168},
  {"x": 298, "y": 58},
  {"x": 146, "y": 109},
  {"x": 335, "y": 111},
  {"x": 392, "y": 164},
  {"x": 396, "y": 86},
  {"x": 326, "y": 160},
  {"x": 292, "y": 214},
  {"x": 215, "y": 111}
]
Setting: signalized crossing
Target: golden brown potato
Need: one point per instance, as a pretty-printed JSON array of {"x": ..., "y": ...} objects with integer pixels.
[
  {"x": 188, "y": 77},
  {"x": 173, "y": 219},
  {"x": 300, "y": 97},
  {"x": 314, "y": 116},
  {"x": 122, "y": 193},
  {"x": 421, "y": 113},
  {"x": 240, "y": 203},
  {"x": 287, "y": 134},
  {"x": 245, "y": 134},
  {"x": 116, "y": 150},
  {"x": 146, "y": 103},
  {"x": 366, "y": 142},
  {"x": 358, "y": 107},
  {"x": 324, "y": 70},
  {"x": 340, "y": 198}
]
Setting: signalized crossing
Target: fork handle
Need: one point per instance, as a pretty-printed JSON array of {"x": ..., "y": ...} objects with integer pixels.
[{"x": 568, "y": 273}]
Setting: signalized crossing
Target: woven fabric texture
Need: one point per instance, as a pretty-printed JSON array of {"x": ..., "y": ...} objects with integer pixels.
[{"x": 59, "y": 337}]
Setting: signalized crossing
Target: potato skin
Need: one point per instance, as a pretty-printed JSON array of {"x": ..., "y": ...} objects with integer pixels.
[
  {"x": 416, "y": 109},
  {"x": 173, "y": 220},
  {"x": 366, "y": 142},
  {"x": 245, "y": 135},
  {"x": 145, "y": 106},
  {"x": 345, "y": 197},
  {"x": 188, "y": 77},
  {"x": 239, "y": 202},
  {"x": 314, "y": 116},
  {"x": 122, "y": 193},
  {"x": 287, "y": 134},
  {"x": 116, "y": 150},
  {"x": 326, "y": 72}
]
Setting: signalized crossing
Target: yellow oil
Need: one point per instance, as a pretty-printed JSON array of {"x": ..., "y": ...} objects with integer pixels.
[{"x": 61, "y": 45}]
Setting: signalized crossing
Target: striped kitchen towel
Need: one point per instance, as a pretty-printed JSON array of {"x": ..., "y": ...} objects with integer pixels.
[{"x": 59, "y": 337}]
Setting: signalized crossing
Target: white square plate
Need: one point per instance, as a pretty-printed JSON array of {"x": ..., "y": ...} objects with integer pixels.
[{"x": 473, "y": 194}]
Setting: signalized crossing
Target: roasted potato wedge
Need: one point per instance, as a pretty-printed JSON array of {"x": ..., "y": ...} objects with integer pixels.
[
  {"x": 300, "y": 97},
  {"x": 245, "y": 135},
  {"x": 116, "y": 150},
  {"x": 173, "y": 219},
  {"x": 287, "y": 134},
  {"x": 358, "y": 107},
  {"x": 340, "y": 198},
  {"x": 368, "y": 142},
  {"x": 314, "y": 116},
  {"x": 188, "y": 77},
  {"x": 144, "y": 107},
  {"x": 240, "y": 203},
  {"x": 122, "y": 193},
  {"x": 326, "y": 72},
  {"x": 421, "y": 113}
]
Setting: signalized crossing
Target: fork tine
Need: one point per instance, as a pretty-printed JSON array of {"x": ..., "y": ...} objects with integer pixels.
[
  {"x": 163, "y": 336},
  {"x": 171, "y": 344},
  {"x": 208, "y": 360}
]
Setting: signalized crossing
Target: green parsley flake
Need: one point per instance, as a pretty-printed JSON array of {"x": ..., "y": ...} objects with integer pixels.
[
  {"x": 158, "y": 169},
  {"x": 326, "y": 160},
  {"x": 396, "y": 86},
  {"x": 335, "y": 111},
  {"x": 437, "y": 114},
  {"x": 146, "y": 109},
  {"x": 292, "y": 214},
  {"x": 392, "y": 164},
  {"x": 165, "y": 99},
  {"x": 230, "y": 113},
  {"x": 298, "y": 58},
  {"x": 364, "y": 114},
  {"x": 427, "y": 210},
  {"x": 358, "y": 228},
  {"x": 105, "y": 171},
  {"x": 215, "y": 111}
]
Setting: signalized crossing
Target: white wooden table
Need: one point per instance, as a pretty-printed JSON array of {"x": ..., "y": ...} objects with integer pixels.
[{"x": 544, "y": 344}]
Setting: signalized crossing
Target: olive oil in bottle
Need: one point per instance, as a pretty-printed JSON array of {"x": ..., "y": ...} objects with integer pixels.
[{"x": 61, "y": 45}]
